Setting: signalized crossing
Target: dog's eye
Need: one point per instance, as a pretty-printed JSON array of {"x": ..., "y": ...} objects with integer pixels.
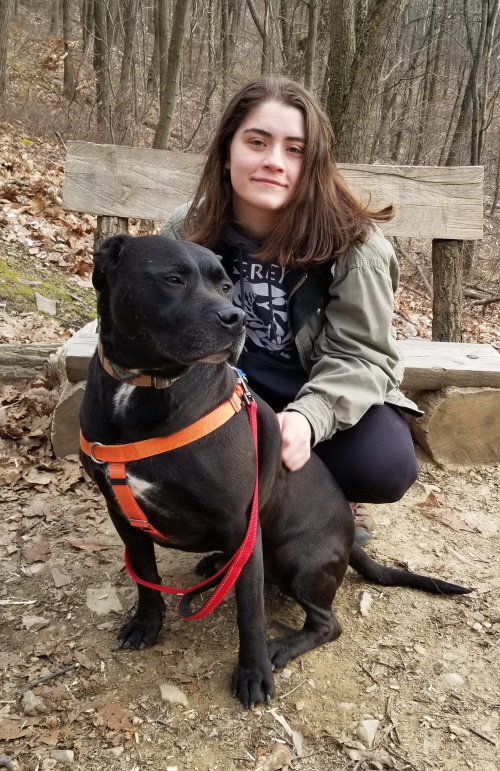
[
  {"x": 226, "y": 288},
  {"x": 173, "y": 279}
]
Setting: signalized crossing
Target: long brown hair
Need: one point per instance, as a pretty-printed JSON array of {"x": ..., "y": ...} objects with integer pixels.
[{"x": 321, "y": 219}]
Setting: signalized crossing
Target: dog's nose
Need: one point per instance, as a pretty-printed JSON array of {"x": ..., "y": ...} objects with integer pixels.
[{"x": 231, "y": 317}]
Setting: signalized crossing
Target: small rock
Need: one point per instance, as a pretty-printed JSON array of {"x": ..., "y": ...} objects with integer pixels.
[
  {"x": 355, "y": 755},
  {"x": 477, "y": 626},
  {"x": 458, "y": 731},
  {"x": 45, "y": 304},
  {"x": 103, "y": 599},
  {"x": 346, "y": 705},
  {"x": 286, "y": 673},
  {"x": 420, "y": 649},
  {"x": 114, "y": 752},
  {"x": 48, "y": 764},
  {"x": 32, "y": 705},
  {"x": 453, "y": 679},
  {"x": 367, "y": 730},
  {"x": 59, "y": 578},
  {"x": 171, "y": 768},
  {"x": 371, "y": 688},
  {"x": 173, "y": 695},
  {"x": 63, "y": 756},
  {"x": 450, "y": 656},
  {"x": 299, "y": 705},
  {"x": 365, "y": 603}
]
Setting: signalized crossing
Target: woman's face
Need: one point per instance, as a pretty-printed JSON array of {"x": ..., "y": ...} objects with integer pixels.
[{"x": 265, "y": 161}]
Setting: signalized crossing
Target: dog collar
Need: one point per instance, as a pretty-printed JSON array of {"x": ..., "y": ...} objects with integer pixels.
[{"x": 129, "y": 376}]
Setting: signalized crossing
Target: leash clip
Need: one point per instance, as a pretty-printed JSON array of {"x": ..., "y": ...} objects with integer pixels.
[{"x": 242, "y": 381}]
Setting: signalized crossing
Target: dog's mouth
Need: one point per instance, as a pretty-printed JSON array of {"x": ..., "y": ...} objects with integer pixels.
[{"x": 217, "y": 358}]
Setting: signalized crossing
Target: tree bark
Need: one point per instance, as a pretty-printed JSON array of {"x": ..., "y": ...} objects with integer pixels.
[
  {"x": 101, "y": 68},
  {"x": 340, "y": 59},
  {"x": 169, "y": 94},
  {"x": 69, "y": 71},
  {"x": 5, "y": 14},
  {"x": 447, "y": 270},
  {"x": 364, "y": 90},
  {"x": 312, "y": 39}
]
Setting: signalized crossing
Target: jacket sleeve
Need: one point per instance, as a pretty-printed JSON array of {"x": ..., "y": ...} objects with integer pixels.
[
  {"x": 173, "y": 227},
  {"x": 355, "y": 359}
]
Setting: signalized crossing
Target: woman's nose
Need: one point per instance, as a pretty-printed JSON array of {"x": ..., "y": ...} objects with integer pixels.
[{"x": 275, "y": 158}]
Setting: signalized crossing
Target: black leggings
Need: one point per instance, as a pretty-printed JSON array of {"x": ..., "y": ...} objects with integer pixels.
[{"x": 374, "y": 461}]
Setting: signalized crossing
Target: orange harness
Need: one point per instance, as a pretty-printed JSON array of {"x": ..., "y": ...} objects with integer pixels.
[{"x": 117, "y": 456}]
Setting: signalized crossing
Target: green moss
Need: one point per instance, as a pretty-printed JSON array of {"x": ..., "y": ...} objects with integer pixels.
[{"x": 54, "y": 285}]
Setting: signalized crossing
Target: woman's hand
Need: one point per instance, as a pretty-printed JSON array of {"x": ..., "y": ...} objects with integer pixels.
[{"x": 296, "y": 435}]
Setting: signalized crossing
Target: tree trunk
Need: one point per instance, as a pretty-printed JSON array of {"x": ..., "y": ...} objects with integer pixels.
[
  {"x": 5, "y": 14},
  {"x": 169, "y": 94},
  {"x": 312, "y": 39},
  {"x": 55, "y": 18},
  {"x": 69, "y": 71},
  {"x": 87, "y": 20},
  {"x": 340, "y": 59},
  {"x": 101, "y": 68},
  {"x": 447, "y": 270},
  {"x": 365, "y": 86}
]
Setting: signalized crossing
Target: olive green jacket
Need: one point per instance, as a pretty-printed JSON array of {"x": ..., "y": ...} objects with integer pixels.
[{"x": 341, "y": 316}]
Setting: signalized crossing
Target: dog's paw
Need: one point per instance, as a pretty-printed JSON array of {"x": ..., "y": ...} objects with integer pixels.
[
  {"x": 209, "y": 565},
  {"x": 281, "y": 651},
  {"x": 139, "y": 633},
  {"x": 251, "y": 685}
]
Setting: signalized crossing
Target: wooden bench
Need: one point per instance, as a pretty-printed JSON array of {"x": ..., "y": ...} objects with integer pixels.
[{"x": 459, "y": 384}]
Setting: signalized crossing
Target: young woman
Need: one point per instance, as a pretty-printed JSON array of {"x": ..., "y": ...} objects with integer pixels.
[{"x": 316, "y": 277}]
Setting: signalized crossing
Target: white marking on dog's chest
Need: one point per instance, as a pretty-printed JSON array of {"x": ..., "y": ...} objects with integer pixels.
[
  {"x": 122, "y": 397},
  {"x": 140, "y": 488}
]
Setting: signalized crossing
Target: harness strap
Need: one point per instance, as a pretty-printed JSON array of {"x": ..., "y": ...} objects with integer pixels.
[
  {"x": 127, "y": 501},
  {"x": 230, "y": 571},
  {"x": 118, "y": 455},
  {"x": 123, "y": 453}
]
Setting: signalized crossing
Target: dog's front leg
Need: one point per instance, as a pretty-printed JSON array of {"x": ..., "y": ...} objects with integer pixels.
[
  {"x": 252, "y": 679},
  {"x": 144, "y": 627}
]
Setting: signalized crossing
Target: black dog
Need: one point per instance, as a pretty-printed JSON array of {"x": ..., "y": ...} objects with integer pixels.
[{"x": 165, "y": 312}]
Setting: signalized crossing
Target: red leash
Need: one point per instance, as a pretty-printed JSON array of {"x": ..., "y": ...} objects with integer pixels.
[{"x": 232, "y": 568}]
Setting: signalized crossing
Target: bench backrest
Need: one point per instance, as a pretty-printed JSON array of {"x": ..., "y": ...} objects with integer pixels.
[{"x": 116, "y": 181}]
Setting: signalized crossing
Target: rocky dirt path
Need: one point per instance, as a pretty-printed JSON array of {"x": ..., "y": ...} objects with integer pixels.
[{"x": 413, "y": 684}]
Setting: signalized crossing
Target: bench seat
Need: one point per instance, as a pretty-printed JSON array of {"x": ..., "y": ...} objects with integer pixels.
[{"x": 428, "y": 365}]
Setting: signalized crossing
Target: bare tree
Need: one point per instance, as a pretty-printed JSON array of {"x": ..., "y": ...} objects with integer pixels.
[
  {"x": 69, "y": 72},
  {"x": 101, "y": 64},
  {"x": 168, "y": 95},
  {"x": 5, "y": 14},
  {"x": 364, "y": 89}
]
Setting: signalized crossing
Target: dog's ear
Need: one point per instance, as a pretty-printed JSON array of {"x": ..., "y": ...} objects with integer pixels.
[{"x": 108, "y": 256}]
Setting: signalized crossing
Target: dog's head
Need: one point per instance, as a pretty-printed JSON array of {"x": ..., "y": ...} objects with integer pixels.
[{"x": 164, "y": 303}]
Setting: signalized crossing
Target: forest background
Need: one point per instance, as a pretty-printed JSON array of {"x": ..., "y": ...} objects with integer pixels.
[{"x": 403, "y": 83}]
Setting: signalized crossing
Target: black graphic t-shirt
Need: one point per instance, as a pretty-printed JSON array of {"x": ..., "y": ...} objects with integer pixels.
[{"x": 270, "y": 358}]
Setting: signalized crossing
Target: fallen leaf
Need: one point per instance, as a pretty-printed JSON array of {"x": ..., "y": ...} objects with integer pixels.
[
  {"x": 90, "y": 545},
  {"x": 39, "y": 552},
  {"x": 431, "y": 500},
  {"x": 279, "y": 757},
  {"x": 450, "y": 519},
  {"x": 114, "y": 717}
]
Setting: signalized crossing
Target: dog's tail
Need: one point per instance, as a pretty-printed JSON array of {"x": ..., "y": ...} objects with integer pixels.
[{"x": 379, "y": 574}]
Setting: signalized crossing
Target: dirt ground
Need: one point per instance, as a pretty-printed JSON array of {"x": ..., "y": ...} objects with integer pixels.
[{"x": 425, "y": 668}]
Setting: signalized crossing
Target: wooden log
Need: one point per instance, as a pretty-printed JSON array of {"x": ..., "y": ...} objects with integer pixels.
[
  {"x": 65, "y": 428},
  {"x": 24, "y": 361},
  {"x": 460, "y": 425}
]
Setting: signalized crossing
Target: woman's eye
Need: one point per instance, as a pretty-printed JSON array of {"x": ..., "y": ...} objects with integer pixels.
[
  {"x": 296, "y": 150},
  {"x": 257, "y": 142}
]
